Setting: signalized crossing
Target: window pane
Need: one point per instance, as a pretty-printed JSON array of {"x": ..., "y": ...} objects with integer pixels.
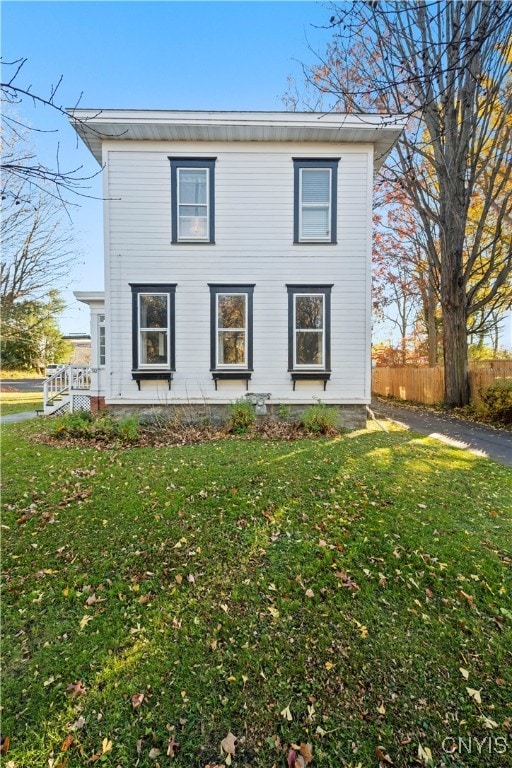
[
  {"x": 315, "y": 185},
  {"x": 309, "y": 348},
  {"x": 231, "y": 350},
  {"x": 101, "y": 345},
  {"x": 153, "y": 349},
  {"x": 193, "y": 224},
  {"x": 192, "y": 186},
  {"x": 315, "y": 222},
  {"x": 231, "y": 311},
  {"x": 153, "y": 311},
  {"x": 309, "y": 312}
]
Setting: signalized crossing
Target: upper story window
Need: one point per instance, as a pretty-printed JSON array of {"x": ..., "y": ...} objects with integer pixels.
[
  {"x": 101, "y": 340},
  {"x": 153, "y": 326},
  {"x": 193, "y": 199},
  {"x": 231, "y": 327},
  {"x": 315, "y": 200},
  {"x": 309, "y": 327}
]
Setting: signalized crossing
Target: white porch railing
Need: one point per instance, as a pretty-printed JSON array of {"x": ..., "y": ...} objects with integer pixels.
[{"x": 58, "y": 389}]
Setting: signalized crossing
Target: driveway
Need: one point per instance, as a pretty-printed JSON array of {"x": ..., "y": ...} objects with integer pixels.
[{"x": 494, "y": 443}]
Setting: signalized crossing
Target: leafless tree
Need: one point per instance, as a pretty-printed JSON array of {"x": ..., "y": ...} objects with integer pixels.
[
  {"x": 22, "y": 172},
  {"x": 447, "y": 65}
]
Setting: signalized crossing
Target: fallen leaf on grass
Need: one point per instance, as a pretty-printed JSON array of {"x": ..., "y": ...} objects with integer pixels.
[
  {"x": 138, "y": 746},
  {"x": 468, "y": 598},
  {"x": 68, "y": 741},
  {"x": 488, "y": 723},
  {"x": 153, "y": 753},
  {"x": 106, "y": 746},
  {"x": 474, "y": 695},
  {"x": 5, "y": 745},
  {"x": 137, "y": 700},
  {"x": 172, "y": 746},
  {"x": 299, "y": 756},
  {"x": 383, "y": 757},
  {"x": 78, "y": 724},
  {"x": 84, "y": 621},
  {"x": 286, "y": 713},
  {"x": 76, "y": 689},
  {"x": 227, "y": 745},
  {"x": 424, "y": 754},
  {"x": 346, "y": 581},
  {"x": 464, "y": 673}
]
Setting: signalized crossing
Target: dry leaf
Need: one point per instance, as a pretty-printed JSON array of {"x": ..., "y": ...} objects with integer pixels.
[
  {"x": 106, "y": 746},
  {"x": 292, "y": 757},
  {"x": 153, "y": 753},
  {"x": 464, "y": 673},
  {"x": 286, "y": 713},
  {"x": 79, "y": 724},
  {"x": 84, "y": 621},
  {"x": 172, "y": 746},
  {"x": 474, "y": 695},
  {"x": 76, "y": 689},
  {"x": 382, "y": 756},
  {"x": 228, "y": 744},
  {"x": 137, "y": 700},
  {"x": 178, "y": 578},
  {"x": 67, "y": 743},
  {"x": 467, "y": 597},
  {"x": 310, "y": 593},
  {"x": 424, "y": 754},
  {"x": 305, "y": 751},
  {"x": 5, "y": 745},
  {"x": 191, "y": 578},
  {"x": 381, "y": 709}
]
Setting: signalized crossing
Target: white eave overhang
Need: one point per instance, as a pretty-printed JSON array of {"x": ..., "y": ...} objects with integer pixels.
[
  {"x": 92, "y": 298},
  {"x": 95, "y": 126}
]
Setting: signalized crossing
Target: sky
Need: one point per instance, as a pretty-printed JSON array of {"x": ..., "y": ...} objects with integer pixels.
[{"x": 147, "y": 55}]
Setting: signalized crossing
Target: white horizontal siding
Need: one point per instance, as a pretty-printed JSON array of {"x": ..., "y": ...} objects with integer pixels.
[{"x": 254, "y": 234}]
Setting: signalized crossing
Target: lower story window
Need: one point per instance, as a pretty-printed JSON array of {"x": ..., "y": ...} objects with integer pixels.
[
  {"x": 231, "y": 327},
  {"x": 309, "y": 327},
  {"x": 153, "y": 326}
]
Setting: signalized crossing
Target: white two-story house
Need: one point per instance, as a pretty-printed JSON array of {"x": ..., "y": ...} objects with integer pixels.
[{"x": 237, "y": 258}]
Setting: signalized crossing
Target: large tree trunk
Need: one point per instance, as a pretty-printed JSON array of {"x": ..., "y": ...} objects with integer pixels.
[
  {"x": 455, "y": 340},
  {"x": 431, "y": 326}
]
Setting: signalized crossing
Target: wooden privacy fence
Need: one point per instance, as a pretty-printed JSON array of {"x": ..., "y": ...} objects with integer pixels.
[{"x": 426, "y": 385}]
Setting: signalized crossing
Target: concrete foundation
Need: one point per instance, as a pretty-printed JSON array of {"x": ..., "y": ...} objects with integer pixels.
[{"x": 351, "y": 417}]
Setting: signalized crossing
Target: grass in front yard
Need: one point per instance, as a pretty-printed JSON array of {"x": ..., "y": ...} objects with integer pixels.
[
  {"x": 18, "y": 402},
  {"x": 349, "y": 592}
]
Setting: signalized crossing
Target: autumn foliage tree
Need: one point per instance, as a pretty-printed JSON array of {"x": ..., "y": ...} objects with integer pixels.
[{"x": 446, "y": 65}]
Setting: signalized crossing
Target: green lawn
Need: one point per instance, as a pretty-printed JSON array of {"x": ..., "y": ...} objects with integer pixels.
[
  {"x": 349, "y": 593},
  {"x": 18, "y": 402}
]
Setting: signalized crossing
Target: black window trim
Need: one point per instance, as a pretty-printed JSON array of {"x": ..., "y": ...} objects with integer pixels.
[
  {"x": 192, "y": 162},
  {"x": 315, "y": 162},
  {"x": 309, "y": 288},
  {"x": 226, "y": 372},
  {"x": 158, "y": 371}
]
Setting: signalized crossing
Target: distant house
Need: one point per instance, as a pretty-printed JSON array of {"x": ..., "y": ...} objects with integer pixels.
[
  {"x": 81, "y": 348},
  {"x": 237, "y": 258}
]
